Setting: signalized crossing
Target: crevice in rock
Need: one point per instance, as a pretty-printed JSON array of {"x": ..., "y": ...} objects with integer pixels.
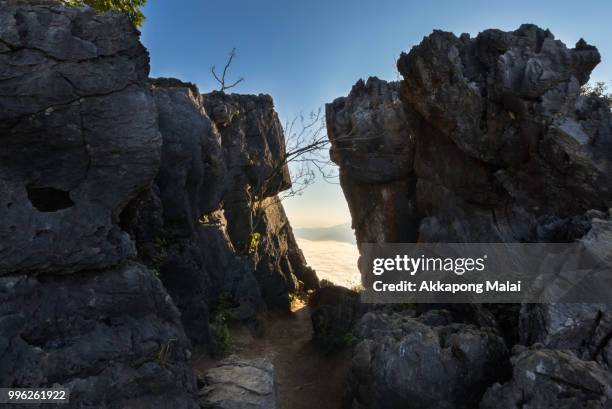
[{"x": 49, "y": 199}]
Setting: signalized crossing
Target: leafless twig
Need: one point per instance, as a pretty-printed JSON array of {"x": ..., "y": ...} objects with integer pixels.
[{"x": 222, "y": 79}]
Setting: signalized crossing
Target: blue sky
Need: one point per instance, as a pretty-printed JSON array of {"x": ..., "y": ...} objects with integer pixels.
[{"x": 307, "y": 52}]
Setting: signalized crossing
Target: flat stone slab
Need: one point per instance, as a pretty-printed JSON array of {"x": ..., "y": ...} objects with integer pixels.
[{"x": 237, "y": 383}]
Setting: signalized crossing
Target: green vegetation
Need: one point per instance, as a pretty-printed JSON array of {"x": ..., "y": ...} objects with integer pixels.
[
  {"x": 161, "y": 254},
  {"x": 356, "y": 287},
  {"x": 223, "y": 338},
  {"x": 254, "y": 242},
  {"x": 165, "y": 352},
  {"x": 130, "y": 7},
  {"x": 330, "y": 341},
  {"x": 599, "y": 89},
  {"x": 221, "y": 315}
]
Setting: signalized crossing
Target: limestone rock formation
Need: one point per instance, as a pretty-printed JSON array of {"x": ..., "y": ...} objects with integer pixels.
[
  {"x": 73, "y": 104},
  {"x": 237, "y": 383},
  {"x": 585, "y": 329},
  {"x": 254, "y": 145},
  {"x": 113, "y": 338},
  {"x": 485, "y": 139},
  {"x": 194, "y": 225},
  {"x": 118, "y": 228},
  {"x": 486, "y": 121},
  {"x": 80, "y": 141},
  {"x": 544, "y": 378},
  {"x": 191, "y": 177},
  {"x": 424, "y": 362},
  {"x": 506, "y": 114},
  {"x": 179, "y": 227},
  {"x": 374, "y": 148}
]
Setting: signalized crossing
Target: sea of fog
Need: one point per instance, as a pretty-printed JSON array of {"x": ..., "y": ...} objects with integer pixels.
[{"x": 334, "y": 261}]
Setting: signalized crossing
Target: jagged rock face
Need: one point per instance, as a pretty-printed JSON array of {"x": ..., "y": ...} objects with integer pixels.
[
  {"x": 104, "y": 173},
  {"x": 424, "y": 362},
  {"x": 544, "y": 378},
  {"x": 374, "y": 148},
  {"x": 374, "y": 111},
  {"x": 280, "y": 266},
  {"x": 192, "y": 171},
  {"x": 254, "y": 145},
  {"x": 178, "y": 227},
  {"x": 495, "y": 143},
  {"x": 253, "y": 137},
  {"x": 96, "y": 332},
  {"x": 505, "y": 148},
  {"x": 520, "y": 145},
  {"x": 73, "y": 105},
  {"x": 80, "y": 141},
  {"x": 200, "y": 200},
  {"x": 199, "y": 271},
  {"x": 585, "y": 329},
  {"x": 582, "y": 328}
]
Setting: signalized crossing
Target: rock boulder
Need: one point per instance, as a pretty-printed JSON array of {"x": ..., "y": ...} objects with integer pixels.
[
  {"x": 424, "y": 362},
  {"x": 544, "y": 378},
  {"x": 237, "y": 383}
]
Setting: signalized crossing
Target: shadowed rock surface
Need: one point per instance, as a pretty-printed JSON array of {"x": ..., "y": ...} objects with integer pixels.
[
  {"x": 585, "y": 329},
  {"x": 192, "y": 174},
  {"x": 80, "y": 141},
  {"x": 73, "y": 104},
  {"x": 523, "y": 152},
  {"x": 424, "y": 362},
  {"x": 374, "y": 148},
  {"x": 183, "y": 227},
  {"x": 334, "y": 312},
  {"x": 486, "y": 139},
  {"x": 95, "y": 332},
  {"x": 179, "y": 227},
  {"x": 544, "y": 378},
  {"x": 127, "y": 215},
  {"x": 114, "y": 242},
  {"x": 486, "y": 121},
  {"x": 254, "y": 145}
]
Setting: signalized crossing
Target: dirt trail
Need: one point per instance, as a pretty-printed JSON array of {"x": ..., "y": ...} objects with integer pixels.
[{"x": 306, "y": 378}]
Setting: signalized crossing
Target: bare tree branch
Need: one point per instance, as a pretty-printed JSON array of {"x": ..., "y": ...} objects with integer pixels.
[
  {"x": 307, "y": 157},
  {"x": 222, "y": 80}
]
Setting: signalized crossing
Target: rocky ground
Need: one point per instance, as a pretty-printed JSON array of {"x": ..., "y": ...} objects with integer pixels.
[{"x": 307, "y": 376}]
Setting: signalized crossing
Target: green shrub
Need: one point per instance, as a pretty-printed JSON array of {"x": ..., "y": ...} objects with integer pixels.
[
  {"x": 130, "y": 7},
  {"x": 221, "y": 316},
  {"x": 598, "y": 89},
  {"x": 165, "y": 352}
]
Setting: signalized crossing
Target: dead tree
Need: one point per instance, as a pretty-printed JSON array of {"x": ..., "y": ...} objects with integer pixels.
[{"x": 222, "y": 80}]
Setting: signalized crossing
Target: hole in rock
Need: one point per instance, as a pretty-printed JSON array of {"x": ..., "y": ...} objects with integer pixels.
[{"x": 48, "y": 199}]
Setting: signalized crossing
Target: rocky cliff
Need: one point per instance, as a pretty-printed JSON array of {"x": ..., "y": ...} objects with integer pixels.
[
  {"x": 119, "y": 232},
  {"x": 254, "y": 146},
  {"x": 485, "y": 139},
  {"x": 80, "y": 139}
]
